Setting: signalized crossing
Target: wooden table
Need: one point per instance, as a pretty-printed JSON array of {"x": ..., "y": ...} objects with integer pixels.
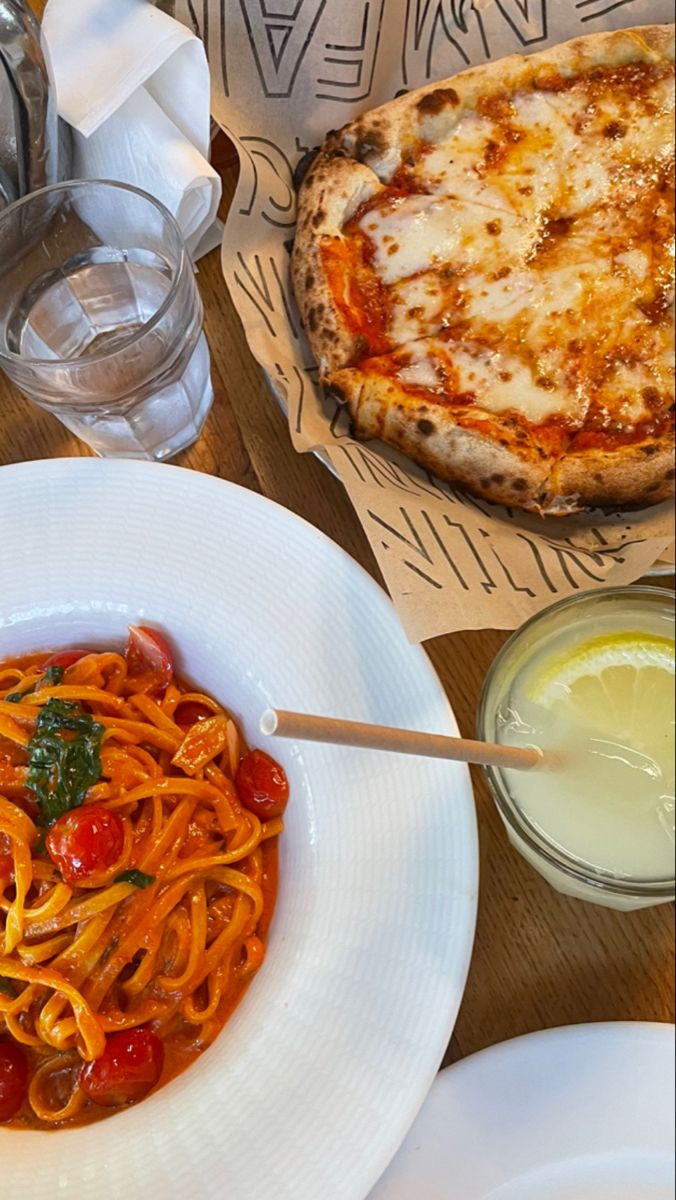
[{"x": 540, "y": 960}]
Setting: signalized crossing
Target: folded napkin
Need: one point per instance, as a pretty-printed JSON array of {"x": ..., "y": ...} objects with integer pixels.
[{"x": 134, "y": 86}]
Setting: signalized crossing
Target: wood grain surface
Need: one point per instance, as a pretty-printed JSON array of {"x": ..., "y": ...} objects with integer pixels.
[{"x": 540, "y": 960}]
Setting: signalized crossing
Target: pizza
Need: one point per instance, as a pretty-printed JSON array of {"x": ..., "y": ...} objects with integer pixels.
[{"x": 484, "y": 270}]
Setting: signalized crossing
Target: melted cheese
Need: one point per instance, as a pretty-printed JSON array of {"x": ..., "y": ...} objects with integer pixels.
[
  {"x": 486, "y": 379},
  {"x": 420, "y": 231},
  {"x": 503, "y": 383}
]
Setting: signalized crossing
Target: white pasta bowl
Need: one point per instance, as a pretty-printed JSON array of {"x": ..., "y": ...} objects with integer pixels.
[{"x": 312, "y": 1085}]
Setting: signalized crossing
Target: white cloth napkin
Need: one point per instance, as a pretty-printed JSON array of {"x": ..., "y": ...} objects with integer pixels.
[{"x": 134, "y": 85}]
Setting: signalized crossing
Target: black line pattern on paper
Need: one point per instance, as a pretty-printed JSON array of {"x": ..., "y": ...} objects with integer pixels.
[
  {"x": 410, "y": 538},
  {"x": 527, "y": 18},
  {"x": 222, "y": 47},
  {"x": 255, "y": 283},
  {"x": 430, "y": 546},
  {"x": 193, "y": 18},
  {"x": 426, "y": 20},
  {"x": 347, "y": 64},
  {"x": 470, "y": 47},
  {"x": 280, "y": 175},
  {"x": 602, "y": 12},
  {"x": 280, "y": 37},
  {"x": 596, "y": 9}
]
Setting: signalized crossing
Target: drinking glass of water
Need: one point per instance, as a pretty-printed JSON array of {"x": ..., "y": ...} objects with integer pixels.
[{"x": 101, "y": 320}]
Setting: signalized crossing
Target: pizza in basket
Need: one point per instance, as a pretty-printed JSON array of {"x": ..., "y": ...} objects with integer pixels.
[{"x": 484, "y": 270}]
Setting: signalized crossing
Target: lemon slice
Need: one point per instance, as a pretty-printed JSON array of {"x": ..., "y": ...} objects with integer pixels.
[{"x": 620, "y": 685}]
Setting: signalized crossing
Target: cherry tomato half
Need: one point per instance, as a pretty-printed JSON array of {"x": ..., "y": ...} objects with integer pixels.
[
  {"x": 129, "y": 1067},
  {"x": 13, "y": 1079},
  {"x": 85, "y": 843},
  {"x": 150, "y": 666},
  {"x": 65, "y": 658},
  {"x": 262, "y": 785},
  {"x": 189, "y": 712}
]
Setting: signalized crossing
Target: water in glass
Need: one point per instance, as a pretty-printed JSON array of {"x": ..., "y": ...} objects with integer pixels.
[{"x": 92, "y": 306}]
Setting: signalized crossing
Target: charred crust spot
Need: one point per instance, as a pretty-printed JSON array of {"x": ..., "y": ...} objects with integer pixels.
[
  {"x": 318, "y": 218},
  {"x": 425, "y": 427},
  {"x": 503, "y": 442},
  {"x": 520, "y": 484},
  {"x": 312, "y": 320},
  {"x": 649, "y": 449},
  {"x": 670, "y": 474},
  {"x": 598, "y": 478},
  {"x": 329, "y": 334},
  {"x": 369, "y": 141},
  {"x": 497, "y": 478},
  {"x": 494, "y": 228},
  {"x": 615, "y": 130},
  {"x": 309, "y": 281},
  {"x": 485, "y": 483},
  {"x": 436, "y": 101}
]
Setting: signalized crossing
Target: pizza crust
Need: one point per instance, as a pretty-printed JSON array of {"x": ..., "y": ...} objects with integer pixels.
[
  {"x": 335, "y": 187},
  {"x": 427, "y": 433},
  {"x": 632, "y": 476}
]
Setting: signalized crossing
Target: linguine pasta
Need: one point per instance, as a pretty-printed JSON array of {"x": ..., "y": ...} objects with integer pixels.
[{"x": 138, "y": 905}]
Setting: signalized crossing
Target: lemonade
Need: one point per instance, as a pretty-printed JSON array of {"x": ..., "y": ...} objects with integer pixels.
[{"x": 593, "y": 681}]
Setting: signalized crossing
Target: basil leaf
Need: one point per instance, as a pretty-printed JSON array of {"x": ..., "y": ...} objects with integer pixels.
[
  {"x": 63, "y": 758},
  {"x": 51, "y": 678},
  {"x": 7, "y": 987},
  {"x": 138, "y": 878}
]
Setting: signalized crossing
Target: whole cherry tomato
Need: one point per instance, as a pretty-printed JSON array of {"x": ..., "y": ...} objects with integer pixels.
[
  {"x": 65, "y": 658},
  {"x": 150, "y": 667},
  {"x": 13, "y": 1079},
  {"x": 85, "y": 843},
  {"x": 129, "y": 1067},
  {"x": 262, "y": 785}
]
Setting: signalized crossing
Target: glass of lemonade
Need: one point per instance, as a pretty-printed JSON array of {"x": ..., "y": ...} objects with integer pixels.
[
  {"x": 101, "y": 320},
  {"x": 591, "y": 679}
]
